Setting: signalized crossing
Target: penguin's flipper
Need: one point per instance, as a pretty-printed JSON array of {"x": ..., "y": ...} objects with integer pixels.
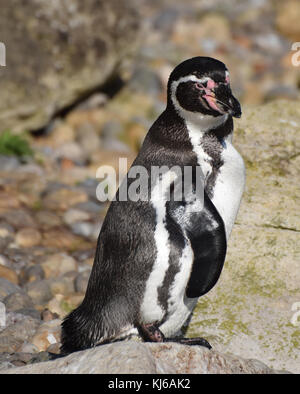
[{"x": 206, "y": 232}]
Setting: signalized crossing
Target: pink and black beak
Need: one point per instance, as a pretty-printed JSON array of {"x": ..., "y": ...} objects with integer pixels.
[{"x": 219, "y": 98}]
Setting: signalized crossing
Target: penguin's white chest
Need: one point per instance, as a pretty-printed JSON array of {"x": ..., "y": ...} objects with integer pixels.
[
  {"x": 229, "y": 182},
  {"x": 229, "y": 185}
]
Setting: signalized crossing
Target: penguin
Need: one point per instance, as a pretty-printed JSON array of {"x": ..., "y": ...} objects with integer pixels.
[{"x": 156, "y": 256}]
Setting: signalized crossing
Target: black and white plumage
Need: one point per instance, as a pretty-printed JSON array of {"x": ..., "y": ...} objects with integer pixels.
[{"x": 155, "y": 258}]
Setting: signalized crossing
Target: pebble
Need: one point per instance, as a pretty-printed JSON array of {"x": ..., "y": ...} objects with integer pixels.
[
  {"x": 81, "y": 281},
  {"x": 47, "y": 219},
  {"x": 7, "y": 288},
  {"x": 84, "y": 229},
  {"x": 75, "y": 215},
  {"x": 47, "y": 334},
  {"x": 32, "y": 273},
  {"x": 19, "y": 218},
  {"x": 58, "y": 264},
  {"x": 8, "y": 274},
  {"x": 18, "y": 330},
  {"x": 16, "y": 301},
  {"x": 28, "y": 237},
  {"x": 9, "y": 163},
  {"x": 63, "y": 199},
  {"x": 87, "y": 138},
  {"x": 62, "y": 285},
  {"x": 28, "y": 348},
  {"x": 47, "y": 315},
  {"x": 39, "y": 291}
]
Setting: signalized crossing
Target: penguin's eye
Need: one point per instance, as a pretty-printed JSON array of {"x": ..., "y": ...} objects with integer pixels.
[{"x": 201, "y": 85}]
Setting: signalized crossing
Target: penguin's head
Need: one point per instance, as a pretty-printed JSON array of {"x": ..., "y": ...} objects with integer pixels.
[{"x": 201, "y": 85}]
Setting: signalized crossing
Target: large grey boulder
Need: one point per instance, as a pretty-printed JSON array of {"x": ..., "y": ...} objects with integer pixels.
[
  {"x": 254, "y": 309},
  {"x": 56, "y": 52},
  {"x": 146, "y": 358}
]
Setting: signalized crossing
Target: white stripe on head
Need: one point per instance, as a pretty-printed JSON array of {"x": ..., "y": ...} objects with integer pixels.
[{"x": 201, "y": 121}]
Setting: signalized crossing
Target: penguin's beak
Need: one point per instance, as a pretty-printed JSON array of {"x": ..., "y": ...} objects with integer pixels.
[
  {"x": 226, "y": 102},
  {"x": 221, "y": 99}
]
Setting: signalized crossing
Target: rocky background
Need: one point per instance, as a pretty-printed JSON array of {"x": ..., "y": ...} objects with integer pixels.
[{"x": 82, "y": 84}]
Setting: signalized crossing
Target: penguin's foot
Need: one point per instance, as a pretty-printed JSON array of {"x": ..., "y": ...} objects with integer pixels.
[
  {"x": 151, "y": 333},
  {"x": 190, "y": 341}
]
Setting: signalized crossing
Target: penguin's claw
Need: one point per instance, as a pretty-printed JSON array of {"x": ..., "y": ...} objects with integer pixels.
[
  {"x": 190, "y": 341},
  {"x": 151, "y": 333}
]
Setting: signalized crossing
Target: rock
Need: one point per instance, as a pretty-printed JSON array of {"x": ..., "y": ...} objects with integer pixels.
[
  {"x": 19, "y": 218},
  {"x": 62, "y": 199},
  {"x": 9, "y": 163},
  {"x": 88, "y": 139},
  {"x": 8, "y": 274},
  {"x": 28, "y": 348},
  {"x": 16, "y": 301},
  {"x": 287, "y": 19},
  {"x": 62, "y": 239},
  {"x": 249, "y": 312},
  {"x": 75, "y": 215},
  {"x": 84, "y": 229},
  {"x": 71, "y": 151},
  {"x": 7, "y": 287},
  {"x": 89, "y": 40},
  {"x": 35, "y": 314},
  {"x": 146, "y": 358},
  {"x": 18, "y": 330},
  {"x": 28, "y": 237},
  {"x": 47, "y": 219},
  {"x": 58, "y": 264},
  {"x": 81, "y": 281},
  {"x": 47, "y": 315},
  {"x": 31, "y": 274},
  {"x": 47, "y": 334},
  {"x": 39, "y": 291},
  {"x": 62, "y": 285}
]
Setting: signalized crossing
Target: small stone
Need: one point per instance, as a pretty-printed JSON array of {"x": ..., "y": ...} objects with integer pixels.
[
  {"x": 19, "y": 329},
  {"x": 75, "y": 215},
  {"x": 62, "y": 285},
  {"x": 28, "y": 348},
  {"x": 30, "y": 312},
  {"x": 19, "y": 218},
  {"x": 48, "y": 219},
  {"x": 8, "y": 274},
  {"x": 6, "y": 230},
  {"x": 84, "y": 229},
  {"x": 39, "y": 291},
  {"x": 58, "y": 264},
  {"x": 71, "y": 151},
  {"x": 87, "y": 138},
  {"x": 9, "y": 163},
  {"x": 54, "y": 348},
  {"x": 81, "y": 281},
  {"x": 61, "y": 239},
  {"x": 47, "y": 315},
  {"x": 16, "y": 301},
  {"x": 28, "y": 237},
  {"x": 56, "y": 306},
  {"x": 62, "y": 199},
  {"x": 47, "y": 334},
  {"x": 7, "y": 287},
  {"x": 31, "y": 274}
]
